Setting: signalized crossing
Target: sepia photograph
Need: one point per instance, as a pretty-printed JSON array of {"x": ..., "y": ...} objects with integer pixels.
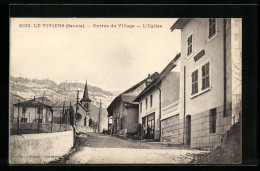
[{"x": 125, "y": 91}]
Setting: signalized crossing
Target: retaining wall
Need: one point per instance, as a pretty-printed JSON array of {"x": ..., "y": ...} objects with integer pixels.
[
  {"x": 39, "y": 148},
  {"x": 33, "y": 128},
  {"x": 172, "y": 130}
]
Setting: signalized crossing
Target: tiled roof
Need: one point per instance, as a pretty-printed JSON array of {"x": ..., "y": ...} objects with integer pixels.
[
  {"x": 128, "y": 97},
  {"x": 165, "y": 71},
  {"x": 32, "y": 103},
  {"x": 153, "y": 76}
]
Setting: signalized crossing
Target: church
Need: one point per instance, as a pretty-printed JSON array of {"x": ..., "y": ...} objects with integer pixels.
[{"x": 86, "y": 119}]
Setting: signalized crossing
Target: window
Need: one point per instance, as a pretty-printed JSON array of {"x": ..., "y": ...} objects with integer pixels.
[
  {"x": 212, "y": 27},
  {"x": 39, "y": 110},
  {"x": 212, "y": 121},
  {"x": 90, "y": 122},
  {"x": 189, "y": 45},
  {"x": 194, "y": 76},
  {"x": 146, "y": 103},
  {"x": 85, "y": 121},
  {"x": 123, "y": 106},
  {"x": 205, "y": 76},
  {"x": 151, "y": 100},
  {"x": 141, "y": 107},
  {"x": 86, "y": 105},
  {"x": 24, "y": 109},
  {"x": 122, "y": 120}
]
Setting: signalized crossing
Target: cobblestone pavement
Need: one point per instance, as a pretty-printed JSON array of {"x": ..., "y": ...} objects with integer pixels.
[{"x": 93, "y": 148}]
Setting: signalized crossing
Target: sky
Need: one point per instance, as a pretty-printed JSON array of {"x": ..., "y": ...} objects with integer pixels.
[{"x": 112, "y": 58}]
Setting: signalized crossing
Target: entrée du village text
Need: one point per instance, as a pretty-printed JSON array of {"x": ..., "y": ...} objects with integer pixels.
[{"x": 151, "y": 26}]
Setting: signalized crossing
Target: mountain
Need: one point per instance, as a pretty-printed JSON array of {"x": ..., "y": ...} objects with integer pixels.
[{"x": 64, "y": 91}]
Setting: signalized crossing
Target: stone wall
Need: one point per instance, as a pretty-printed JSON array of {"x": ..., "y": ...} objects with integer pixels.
[
  {"x": 39, "y": 148},
  {"x": 200, "y": 127},
  {"x": 172, "y": 129},
  {"x": 201, "y": 133}
]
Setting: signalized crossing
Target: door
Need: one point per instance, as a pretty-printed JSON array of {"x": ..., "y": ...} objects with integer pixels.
[
  {"x": 143, "y": 128},
  {"x": 188, "y": 129},
  {"x": 150, "y": 126}
]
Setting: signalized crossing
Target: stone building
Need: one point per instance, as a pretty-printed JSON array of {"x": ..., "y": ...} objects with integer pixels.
[
  {"x": 159, "y": 103},
  {"x": 124, "y": 112},
  {"x": 210, "y": 61}
]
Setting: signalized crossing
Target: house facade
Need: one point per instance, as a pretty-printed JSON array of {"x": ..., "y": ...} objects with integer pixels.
[
  {"x": 157, "y": 104},
  {"x": 32, "y": 111},
  {"x": 123, "y": 112},
  {"x": 207, "y": 77}
]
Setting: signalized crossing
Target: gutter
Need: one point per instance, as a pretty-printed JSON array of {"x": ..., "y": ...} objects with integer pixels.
[
  {"x": 184, "y": 102},
  {"x": 225, "y": 66},
  {"x": 160, "y": 106}
]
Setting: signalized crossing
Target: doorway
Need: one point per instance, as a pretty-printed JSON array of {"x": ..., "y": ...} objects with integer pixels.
[
  {"x": 143, "y": 128},
  {"x": 188, "y": 129},
  {"x": 150, "y": 126}
]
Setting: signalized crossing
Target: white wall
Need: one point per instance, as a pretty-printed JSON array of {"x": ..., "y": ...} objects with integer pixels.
[
  {"x": 214, "y": 54},
  {"x": 149, "y": 110},
  {"x": 39, "y": 148}
]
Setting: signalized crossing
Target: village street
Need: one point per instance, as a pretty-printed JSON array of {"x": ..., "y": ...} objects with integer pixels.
[{"x": 94, "y": 148}]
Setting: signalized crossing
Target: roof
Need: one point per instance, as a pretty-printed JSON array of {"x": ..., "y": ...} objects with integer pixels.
[
  {"x": 85, "y": 95},
  {"x": 165, "y": 71},
  {"x": 32, "y": 103},
  {"x": 179, "y": 24},
  {"x": 153, "y": 76},
  {"x": 129, "y": 97},
  {"x": 44, "y": 100}
]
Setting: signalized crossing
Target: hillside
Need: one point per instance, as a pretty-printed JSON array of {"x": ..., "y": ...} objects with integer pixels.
[{"x": 65, "y": 91}]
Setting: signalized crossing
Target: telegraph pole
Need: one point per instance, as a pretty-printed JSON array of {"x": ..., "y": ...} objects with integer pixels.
[
  {"x": 77, "y": 106},
  {"x": 99, "y": 117},
  {"x": 18, "y": 126},
  {"x": 63, "y": 112}
]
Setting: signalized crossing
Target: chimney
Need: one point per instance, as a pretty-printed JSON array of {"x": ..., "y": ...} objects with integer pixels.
[{"x": 149, "y": 80}]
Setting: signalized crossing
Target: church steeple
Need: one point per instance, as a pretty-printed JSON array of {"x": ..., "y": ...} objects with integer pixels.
[{"x": 85, "y": 95}]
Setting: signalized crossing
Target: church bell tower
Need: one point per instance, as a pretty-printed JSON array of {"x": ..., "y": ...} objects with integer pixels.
[{"x": 85, "y": 101}]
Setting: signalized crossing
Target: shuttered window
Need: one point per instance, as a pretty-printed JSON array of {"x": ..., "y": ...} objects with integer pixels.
[
  {"x": 205, "y": 76},
  {"x": 189, "y": 45},
  {"x": 151, "y": 100},
  {"x": 212, "y": 27},
  {"x": 194, "y": 76},
  {"x": 146, "y": 103}
]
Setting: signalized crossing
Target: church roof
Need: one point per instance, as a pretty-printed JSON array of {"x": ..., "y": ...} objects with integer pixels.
[{"x": 85, "y": 95}]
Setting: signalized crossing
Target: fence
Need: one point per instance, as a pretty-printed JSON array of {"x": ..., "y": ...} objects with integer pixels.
[{"x": 34, "y": 128}]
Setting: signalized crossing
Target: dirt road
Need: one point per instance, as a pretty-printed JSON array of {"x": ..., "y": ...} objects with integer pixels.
[{"x": 93, "y": 148}]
